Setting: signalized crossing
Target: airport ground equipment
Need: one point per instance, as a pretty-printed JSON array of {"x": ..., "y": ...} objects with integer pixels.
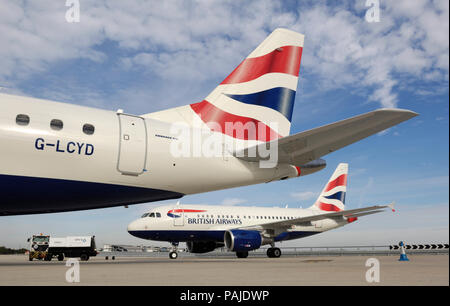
[
  {"x": 72, "y": 246},
  {"x": 403, "y": 256},
  {"x": 438, "y": 246},
  {"x": 38, "y": 247}
]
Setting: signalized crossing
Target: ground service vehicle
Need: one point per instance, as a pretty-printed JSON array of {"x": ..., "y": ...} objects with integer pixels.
[
  {"x": 44, "y": 247},
  {"x": 72, "y": 246},
  {"x": 38, "y": 247}
]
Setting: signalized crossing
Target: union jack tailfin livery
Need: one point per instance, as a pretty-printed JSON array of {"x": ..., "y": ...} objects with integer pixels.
[
  {"x": 332, "y": 197},
  {"x": 257, "y": 96}
]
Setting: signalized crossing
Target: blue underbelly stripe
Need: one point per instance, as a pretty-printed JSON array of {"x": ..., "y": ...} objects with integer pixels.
[
  {"x": 31, "y": 195},
  {"x": 204, "y": 235}
]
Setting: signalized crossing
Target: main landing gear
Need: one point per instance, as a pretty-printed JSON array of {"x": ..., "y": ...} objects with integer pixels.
[
  {"x": 273, "y": 252},
  {"x": 243, "y": 254},
  {"x": 173, "y": 252}
]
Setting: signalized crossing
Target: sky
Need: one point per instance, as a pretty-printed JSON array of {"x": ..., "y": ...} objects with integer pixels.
[{"x": 146, "y": 56}]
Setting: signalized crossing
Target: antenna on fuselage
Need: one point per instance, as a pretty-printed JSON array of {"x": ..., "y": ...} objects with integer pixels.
[{"x": 178, "y": 203}]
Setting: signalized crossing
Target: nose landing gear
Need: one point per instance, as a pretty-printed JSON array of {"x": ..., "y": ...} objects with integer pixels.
[{"x": 173, "y": 252}]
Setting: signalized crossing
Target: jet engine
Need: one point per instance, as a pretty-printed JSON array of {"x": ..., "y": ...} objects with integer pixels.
[
  {"x": 202, "y": 246},
  {"x": 242, "y": 240}
]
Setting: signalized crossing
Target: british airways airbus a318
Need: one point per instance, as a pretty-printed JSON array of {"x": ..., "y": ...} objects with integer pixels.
[
  {"x": 242, "y": 229},
  {"x": 58, "y": 157}
]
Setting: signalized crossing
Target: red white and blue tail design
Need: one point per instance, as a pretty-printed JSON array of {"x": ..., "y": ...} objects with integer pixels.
[
  {"x": 260, "y": 92},
  {"x": 332, "y": 197}
]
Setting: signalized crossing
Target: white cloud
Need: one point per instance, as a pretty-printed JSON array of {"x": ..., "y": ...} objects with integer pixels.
[
  {"x": 205, "y": 40},
  {"x": 343, "y": 50}
]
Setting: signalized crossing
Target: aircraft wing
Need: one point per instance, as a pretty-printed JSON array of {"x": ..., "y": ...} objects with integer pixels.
[
  {"x": 304, "y": 147},
  {"x": 351, "y": 213}
]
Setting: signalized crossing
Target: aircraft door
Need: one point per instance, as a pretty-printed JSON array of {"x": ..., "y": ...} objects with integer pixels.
[
  {"x": 178, "y": 219},
  {"x": 132, "y": 145}
]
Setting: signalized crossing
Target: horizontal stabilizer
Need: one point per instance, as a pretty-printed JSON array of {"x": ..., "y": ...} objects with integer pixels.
[
  {"x": 304, "y": 147},
  {"x": 351, "y": 213}
]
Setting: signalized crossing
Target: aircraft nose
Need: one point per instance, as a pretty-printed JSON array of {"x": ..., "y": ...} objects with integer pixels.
[
  {"x": 133, "y": 227},
  {"x": 138, "y": 229}
]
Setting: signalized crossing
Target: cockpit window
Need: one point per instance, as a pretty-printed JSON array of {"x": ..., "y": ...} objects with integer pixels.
[
  {"x": 144, "y": 215},
  {"x": 152, "y": 215},
  {"x": 158, "y": 215}
]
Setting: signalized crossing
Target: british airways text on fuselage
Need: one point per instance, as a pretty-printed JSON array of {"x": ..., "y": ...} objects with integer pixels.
[{"x": 213, "y": 221}]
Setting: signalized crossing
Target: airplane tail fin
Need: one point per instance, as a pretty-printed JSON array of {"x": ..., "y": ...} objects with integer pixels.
[
  {"x": 332, "y": 197},
  {"x": 258, "y": 95}
]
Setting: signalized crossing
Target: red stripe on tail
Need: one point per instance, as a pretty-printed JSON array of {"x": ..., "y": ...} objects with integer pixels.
[
  {"x": 287, "y": 60},
  {"x": 328, "y": 207},
  {"x": 226, "y": 123},
  {"x": 339, "y": 181}
]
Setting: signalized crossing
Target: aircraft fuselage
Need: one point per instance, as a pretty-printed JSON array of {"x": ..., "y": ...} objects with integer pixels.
[{"x": 60, "y": 157}]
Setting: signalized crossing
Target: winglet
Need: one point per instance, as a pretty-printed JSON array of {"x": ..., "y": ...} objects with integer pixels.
[{"x": 391, "y": 206}]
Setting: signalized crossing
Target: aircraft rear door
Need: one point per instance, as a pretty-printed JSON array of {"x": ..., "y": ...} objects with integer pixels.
[{"x": 133, "y": 145}]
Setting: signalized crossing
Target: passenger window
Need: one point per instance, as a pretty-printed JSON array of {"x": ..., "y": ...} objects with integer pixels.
[
  {"x": 56, "y": 124},
  {"x": 88, "y": 129},
  {"x": 152, "y": 215},
  {"x": 158, "y": 215},
  {"x": 22, "y": 119}
]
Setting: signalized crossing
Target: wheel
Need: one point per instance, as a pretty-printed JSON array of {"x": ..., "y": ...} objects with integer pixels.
[
  {"x": 276, "y": 252},
  {"x": 60, "y": 257},
  {"x": 84, "y": 257},
  {"x": 273, "y": 252},
  {"x": 48, "y": 257},
  {"x": 242, "y": 254},
  {"x": 30, "y": 258},
  {"x": 173, "y": 255}
]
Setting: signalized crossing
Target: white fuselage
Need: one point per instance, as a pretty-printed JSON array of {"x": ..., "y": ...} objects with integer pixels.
[
  {"x": 176, "y": 223},
  {"x": 68, "y": 169}
]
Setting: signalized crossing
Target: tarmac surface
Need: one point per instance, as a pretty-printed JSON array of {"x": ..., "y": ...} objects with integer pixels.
[{"x": 229, "y": 271}]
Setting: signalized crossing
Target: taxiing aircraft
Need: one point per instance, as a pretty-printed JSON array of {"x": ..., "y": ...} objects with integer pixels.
[
  {"x": 58, "y": 157},
  {"x": 242, "y": 229}
]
